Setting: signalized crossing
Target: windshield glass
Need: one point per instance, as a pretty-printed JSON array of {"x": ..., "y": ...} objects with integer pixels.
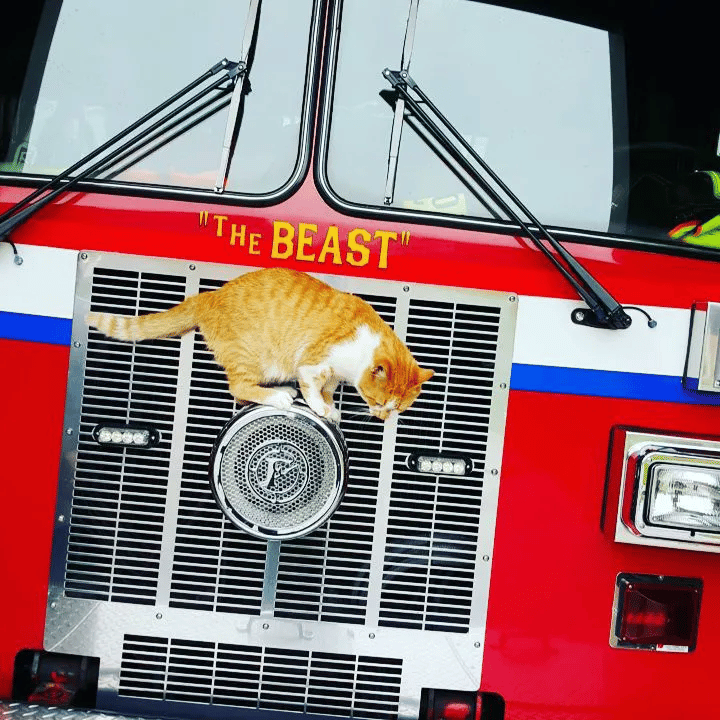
[
  {"x": 100, "y": 66},
  {"x": 581, "y": 108},
  {"x": 529, "y": 93}
]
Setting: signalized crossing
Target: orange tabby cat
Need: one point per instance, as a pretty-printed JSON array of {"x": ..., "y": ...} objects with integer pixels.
[{"x": 275, "y": 325}]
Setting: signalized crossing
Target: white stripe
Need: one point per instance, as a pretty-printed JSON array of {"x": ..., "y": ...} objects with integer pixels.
[
  {"x": 43, "y": 285},
  {"x": 547, "y": 336}
]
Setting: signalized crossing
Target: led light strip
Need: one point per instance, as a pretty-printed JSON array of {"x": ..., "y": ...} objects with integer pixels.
[{"x": 126, "y": 435}]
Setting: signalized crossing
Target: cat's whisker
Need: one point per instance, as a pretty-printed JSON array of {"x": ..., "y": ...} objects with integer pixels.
[{"x": 361, "y": 415}]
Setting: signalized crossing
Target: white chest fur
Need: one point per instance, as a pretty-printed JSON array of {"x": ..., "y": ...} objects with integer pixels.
[{"x": 350, "y": 358}]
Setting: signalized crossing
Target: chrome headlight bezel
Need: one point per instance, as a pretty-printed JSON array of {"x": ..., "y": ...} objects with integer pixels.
[{"x": 640, "y": 456}]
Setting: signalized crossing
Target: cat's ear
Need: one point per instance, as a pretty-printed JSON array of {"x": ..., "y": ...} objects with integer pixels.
[
  {"x": 380, "y": 372},
  {"x": 424, "y": 375}
]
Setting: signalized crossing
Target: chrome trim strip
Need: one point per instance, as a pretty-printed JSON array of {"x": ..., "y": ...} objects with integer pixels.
[
  {"x": 272, "y": 562},
  {"x": 167, "y": 547}
]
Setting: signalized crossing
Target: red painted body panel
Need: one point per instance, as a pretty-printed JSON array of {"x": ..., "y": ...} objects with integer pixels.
[
  {"x": 554, "y": 570},
  {"x": 32, "y": 404},
  {"x": 547, "y": 650}
]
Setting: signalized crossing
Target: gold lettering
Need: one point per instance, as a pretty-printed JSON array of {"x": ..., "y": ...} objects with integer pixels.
[
  {"x": 305, "y": 241},
  {"x": 220, "y": 219},
  {"x": 283, "y": 234},
  {"x": 385, "y": 237},
  {"x": 331, "y": 246},
  {"x": 235, "y": 234},
  {"x": 355, "y": 248},
  {"x": 253, "y": 244}
]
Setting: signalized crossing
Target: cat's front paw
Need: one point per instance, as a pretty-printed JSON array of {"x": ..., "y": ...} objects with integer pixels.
[
  {"x": 281, "y": 398},
  {"x": 329, "y": 412}
]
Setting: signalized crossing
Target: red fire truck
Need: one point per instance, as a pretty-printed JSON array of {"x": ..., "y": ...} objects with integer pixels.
[{"x": 528, "y": 191}]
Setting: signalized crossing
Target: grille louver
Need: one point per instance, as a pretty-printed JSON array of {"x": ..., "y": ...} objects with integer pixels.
[
  {"x": 433, "y": 525},
  {"x": 330, "y": 624},
  {"x": 216, "y": 566},
  {"x": 260, "y": 678},
  {"x": 118, "y": 501}
]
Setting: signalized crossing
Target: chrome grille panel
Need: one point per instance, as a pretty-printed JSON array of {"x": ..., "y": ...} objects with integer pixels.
[
  {"x": 433, "y": 525},
  {"x": 118, "y": 503},
  {"x": 260, "y": 678},
  {"x": 183, "y": 608}
]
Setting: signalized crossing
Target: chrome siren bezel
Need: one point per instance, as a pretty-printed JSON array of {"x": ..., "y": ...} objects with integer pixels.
[{"x": 296, "y": 413}]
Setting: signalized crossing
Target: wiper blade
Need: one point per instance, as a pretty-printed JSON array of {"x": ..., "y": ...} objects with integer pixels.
[
  {"x": 25, "y": 208},
  {"x": 396, "y": 131},
  {"x": 606, "y": 311},
  {"x": 235, "y": 114}
]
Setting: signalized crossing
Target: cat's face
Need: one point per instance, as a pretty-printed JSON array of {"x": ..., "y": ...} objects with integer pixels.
[{"x": 391, "y": 387}]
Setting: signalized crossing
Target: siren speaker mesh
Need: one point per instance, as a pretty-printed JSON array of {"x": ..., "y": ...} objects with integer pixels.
[{"x": 279, "y": 474}]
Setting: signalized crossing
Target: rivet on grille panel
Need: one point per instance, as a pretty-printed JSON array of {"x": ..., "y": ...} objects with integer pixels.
[{"x": 279, "y": 474}]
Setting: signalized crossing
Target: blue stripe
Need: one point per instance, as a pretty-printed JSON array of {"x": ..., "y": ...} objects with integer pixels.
[
  {"x": 605, "y": 383},
  {"x": 35, "y": 328}
]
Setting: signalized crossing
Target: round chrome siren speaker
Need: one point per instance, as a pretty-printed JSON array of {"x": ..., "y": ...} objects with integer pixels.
[{"x": 279, "y": 474}]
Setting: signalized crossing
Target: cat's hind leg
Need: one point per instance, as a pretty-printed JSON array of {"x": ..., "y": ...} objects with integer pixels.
[{"x": 313, "y": 379}]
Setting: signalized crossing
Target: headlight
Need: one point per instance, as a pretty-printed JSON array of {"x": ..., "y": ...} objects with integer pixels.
[
  {"x": 685, "y": 496},
  {"x": 668, "y": 489}
]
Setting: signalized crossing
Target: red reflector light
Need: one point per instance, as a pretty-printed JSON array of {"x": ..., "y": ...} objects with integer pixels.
[
  {"x": 656, "y": 613},
  {"x": 460, "y": 705},
  {"x": 456, "y": 711}
]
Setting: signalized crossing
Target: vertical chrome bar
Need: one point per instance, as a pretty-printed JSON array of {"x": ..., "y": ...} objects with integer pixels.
[
  {"x": 177, "y": 443},
  {"x": 272, "y": 562},
  {"x": 385, "y": 478}
]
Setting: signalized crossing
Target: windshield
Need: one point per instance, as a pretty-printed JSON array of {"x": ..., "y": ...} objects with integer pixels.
[
  {"x": 100, "y": 66},
  {"x": 528, "y": 93},
  {"x": 582, "y": 109}
]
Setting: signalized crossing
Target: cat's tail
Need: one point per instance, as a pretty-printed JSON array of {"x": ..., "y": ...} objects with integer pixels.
[{"x": 175, "y": 321}]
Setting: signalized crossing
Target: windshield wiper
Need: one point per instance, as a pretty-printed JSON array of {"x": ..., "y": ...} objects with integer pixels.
[
  {"x": 210, "y": 98},
  {"x": 396, "y": 131},
  {"x": 241, "y": 88},
  {"x": 606, "y": 311}
]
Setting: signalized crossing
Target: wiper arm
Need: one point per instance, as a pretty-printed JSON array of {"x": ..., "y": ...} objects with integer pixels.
[
  {"x": 606, "y": 311},
  {"x": 25, "y": 208}
]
